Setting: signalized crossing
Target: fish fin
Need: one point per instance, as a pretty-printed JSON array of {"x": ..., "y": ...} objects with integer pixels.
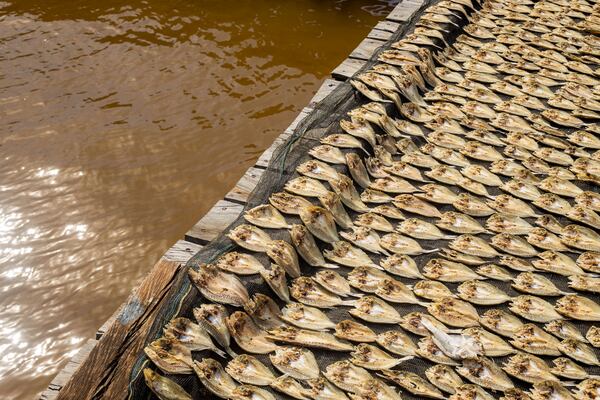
[{"x": 348, "y": 303}]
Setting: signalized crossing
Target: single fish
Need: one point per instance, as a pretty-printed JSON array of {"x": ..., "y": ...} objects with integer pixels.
[
  {"x": 303, "y": 316},
  {"x": 219, "y": 286},
  {"x": 501, "y": 322},
  {"x": 275, "y": 279},
  {"x": 248, "y": 335},
  {"x": 164, "y": 388},
  {"x": 484, "y": 372},
  {"x": 250, "y": 237},
  {"x": 214, "y": 377},
  {"x": 373, "y": 309},
  {"x": 397, "y": 342},
  {"x": 308, "y": 338},
  {"x": 534, "y": 340},
  {"x": 354, "y": 332},
  {"x": 533, "y": 308},
  {"x": 171, "y": 356},
  {"x": 248, "y": 369},
  {"x": 481, "y": 293},
  {"x": 448, "y": 271}
]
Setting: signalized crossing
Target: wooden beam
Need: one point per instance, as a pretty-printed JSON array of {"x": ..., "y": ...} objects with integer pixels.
[
  {"x": 106, "y": 371},
  {"x": 214, "y": 222},
  {"x": 242, "y": 189},
  {"x": 379, "y": 35},
  {"x": 326, "y": 88},
  {"x": 347, "y": 68},
  {"x": 403, "y": 11},
  {"x": 366, "y": 49},
  {"x": 182, "y": 251}
]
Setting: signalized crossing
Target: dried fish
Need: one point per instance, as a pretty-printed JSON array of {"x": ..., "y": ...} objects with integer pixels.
[
  {"x": 248, "y": 335},
  {"x": 308, "y": 338},
  {"x": 285, "y": 256},
  {"x": 320, "y": 223},
  {"x": 264, "y": 311},
  {"x": 375, "y": 196},
  {"x": 470, "y": 392},
  {"x": 345, "y": 254},
  {"x": 288, "y": 203},
  {"x": 348, "y": 194},
  {"x": 578, "y": 307},
  {"x": 448, "y": 271},
  {"x": 472, "y": 205},
  {"x": 367, "y": 279},
  {"x": 481, "y": 293},
  {"x": 550, "y": 389},
  {"x": 588, "y": 199},
  {"x": 332, "y": 203},
  {"x": 373, "y": 358},
  {"x": 512, "y": 244},
  {"x": 437, "y": 194},
  {"x": 459, "y": 223},
  {"x": 248, "y": 369},
  {"x": 399, "y": 244},
  {"x": 328, "y": 153},
  {"x": 213, "y": 318},
  {"x": 346, "y": 376},
  {"x": 322, "y": 389},
  {"x": 164, "y": 388},
  {"x": 444, "y": 378},
  {"x": 397, "y": 342},
  {"x": 306, "y": 317},
  {"x": 588, "y": 389},
  {"x": 413, "y": 383},
  {"x": 239, "y": 263},
  {"x": 579, "y": 351},
  {"x": 564, "y": 330},
  {"x": 473, "y": 245},
  {"x": 534, "y": 340},
  {"x": 503, "y": 223},
  {"x": 308, "y": 292},
  {"x": 427, "y": 349},
  {"x": 484, "y": 372},
  {"x": 354, "y": 332},
  {"x": 275, "y": 278},
  {"x": 580, "y": 237},
  {"x": 191, "y": 335},
  {"x": 590, "y": 261},
  {"x": 373, "y": 309},
  {"x": 567, "y": 368},
  {"x": 384, "y": 210},
  {"x": 219, "y": 286},
  {"x": 454, "y": 312},
  {"x": 552, "y": 203},
  {"x": 528, "y": 368},
  {"x": 420, "y": 229},
  {"x": 295, "y": 362},
  {"x": 534, "y": 309},
  {"x": 304, "y": 186},
  {"x": 593, "y": 336},
  {"x": 413, "y": 322},
  {"x": 495, "y": 272},
  {"x": 250, "y": 237},
  {"x": 500, "y": 322},
  {"x": 171, "y": 356},
  {"x": 214, "y": 378}
]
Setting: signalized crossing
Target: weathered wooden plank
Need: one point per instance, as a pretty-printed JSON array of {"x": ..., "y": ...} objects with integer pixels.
[
  {"x": 327, "y": 87},
  {"x": 366, "y": 48},
  {"x": 379, "y": 35},
  {"x": 347, "y": 68},
  {"x": 67, "y": 372},
  {"x": 214, "y": 222},
  {"x": 245, "y": 185},
  {"x": 403, "y": 11},
  {"x": 182, "y": 251},
  {"x": 265, "y": 157},
  {"x": 105, "y": 373},
  {"x": 388, "y": 26}
]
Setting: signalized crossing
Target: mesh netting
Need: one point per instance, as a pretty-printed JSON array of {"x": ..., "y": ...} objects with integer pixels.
[{"x": 323, "y": 120}]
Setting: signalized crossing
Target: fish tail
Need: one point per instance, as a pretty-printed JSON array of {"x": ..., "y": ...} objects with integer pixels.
[
  {"x": 431, "y": 250},
  {"x": 220, "y": 352},
  {"x": 330, "y": 266},
  {"x": 231, "y": 353},
  {"x": 348, "y": 303}
]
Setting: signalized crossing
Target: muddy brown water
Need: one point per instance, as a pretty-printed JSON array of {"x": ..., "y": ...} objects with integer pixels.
[{"x": 121, "y": 123}]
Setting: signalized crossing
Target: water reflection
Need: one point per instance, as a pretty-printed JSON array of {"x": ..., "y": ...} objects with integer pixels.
[{"x": 121, "y": 123}]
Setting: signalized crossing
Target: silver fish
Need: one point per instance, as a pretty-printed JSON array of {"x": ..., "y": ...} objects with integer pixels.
[
  {"x": 320, "y": 223},
  {"x": 306, "y": 246},
  {"x": 564, "y": 330},
  {"x": 550, "y": 389},
  {"x": 375, "y": 219},
  {"x": 552, "y": 203},
  {"x": 448, "y": 271},
  {"x": 413, "y": 204},
  {"x": 285, "y": 256},
  {"x": 473, "y": 245},
  {"x": 304, "y": 186},
  {"x": 427, "y": 349},
  {"x": 213, "y": 318},
  {"x": 589, "y": 260},
  {"x": 546, "y": 240},
  {"x": 191, "y": 335},
  {"x": 558, "y": 263},
  {"x": 357, "y": 169},
  {"x": 413, "y": 322},
  {"x": 536, "y": 284},
  {"x": 346, "y": 376},
  {"x": 459, "y": 223}
]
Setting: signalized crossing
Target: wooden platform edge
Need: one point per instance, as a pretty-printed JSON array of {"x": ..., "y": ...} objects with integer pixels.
[{"x": 77, "y": 371}]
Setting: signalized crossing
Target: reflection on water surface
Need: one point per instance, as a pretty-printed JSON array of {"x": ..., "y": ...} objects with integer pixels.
[{"x": 121, "y": 123}]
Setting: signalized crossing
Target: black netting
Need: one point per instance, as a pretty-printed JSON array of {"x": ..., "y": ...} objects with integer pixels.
[{"x": 323, "y": 120}]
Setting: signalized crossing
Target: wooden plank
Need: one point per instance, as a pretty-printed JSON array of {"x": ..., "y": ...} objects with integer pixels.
[
  {"x": 214, "y": 222},
  {"x": 403, "y": 11},
  {"x": 67, "y": 372},
  {"x": 245, "y": 185},
  {"x": 327, "y": 87},
  {"x": 366, "y": 49},
  {"x": 379, "y": 35},
  {"x": 347, "y": 68},
  {"x": 182, "y": 251},
  {"x": 265, "y": 157},
  {"x": 106, "y": 371},
  {"x": 388, "y": 26}
]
